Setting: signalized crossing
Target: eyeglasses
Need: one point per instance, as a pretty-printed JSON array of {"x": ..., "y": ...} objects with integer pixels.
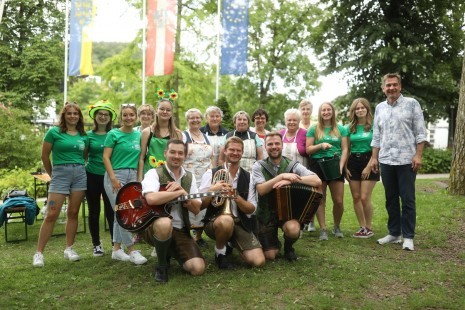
[
  {"x": 126, "y": 105},
  {"x": 165, "y": 110},
  {"x": 103, "y": 114},
  {"x": 257, "y": 118}
]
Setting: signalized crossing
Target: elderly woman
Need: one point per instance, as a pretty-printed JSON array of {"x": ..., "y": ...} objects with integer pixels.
[
  {"x": 305, "y": 108},
  {"x": 253, "y": 146},
  {"x": 214, "y": 131},
  {"x": 198, "y": 161},
  {"x": 294, "y": 138},
  {"x": 260, "y": 118},
  {"x": 146, "y": 114}
]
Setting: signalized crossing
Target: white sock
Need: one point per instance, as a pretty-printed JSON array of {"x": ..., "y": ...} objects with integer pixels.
[{"x": 220, "y": 251}]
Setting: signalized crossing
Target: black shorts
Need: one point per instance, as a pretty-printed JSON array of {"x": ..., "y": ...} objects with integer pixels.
[
  {"x": 356, "y": 163},
  {"x": 315, "y": 168}
]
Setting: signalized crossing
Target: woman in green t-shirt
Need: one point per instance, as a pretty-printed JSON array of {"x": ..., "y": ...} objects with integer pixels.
[
  {"x": 103, "y": 114},
  {"x": 325, "y": 140},
  {"x": 358, "y": 171},
  {"x": 154, "y": 139},
  {"x": 120, "y": 157},
  {"x": 67, "y": 144}
]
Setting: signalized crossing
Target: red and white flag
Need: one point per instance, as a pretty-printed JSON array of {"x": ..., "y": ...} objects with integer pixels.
[{"x": 161, "y": 30}]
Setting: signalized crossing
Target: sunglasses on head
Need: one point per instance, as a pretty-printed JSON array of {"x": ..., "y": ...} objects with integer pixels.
[{"x": 126, "y": 105}]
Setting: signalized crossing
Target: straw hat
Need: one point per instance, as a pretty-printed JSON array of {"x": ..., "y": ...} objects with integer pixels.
[{"x": 102, "y": 105}]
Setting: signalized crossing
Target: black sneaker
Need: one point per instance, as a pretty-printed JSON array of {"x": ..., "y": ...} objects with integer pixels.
[
  {"x": 290, "y": 255},
  {"x": 98, "y": 250},
  {"x": 229, "y": 249},
  {"x": 222, "y": 262},
  {"x": 161, "y": 274}
]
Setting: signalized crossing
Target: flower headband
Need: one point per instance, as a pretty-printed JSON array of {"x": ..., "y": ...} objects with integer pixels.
[{"x": 164, "y": 94}]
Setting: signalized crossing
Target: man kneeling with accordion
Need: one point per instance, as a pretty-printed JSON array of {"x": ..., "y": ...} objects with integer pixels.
[
  {"x": 229, "y": 217},
  {"x": 287, "y": 193}
]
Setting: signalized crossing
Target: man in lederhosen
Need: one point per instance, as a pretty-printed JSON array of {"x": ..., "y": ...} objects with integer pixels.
[
  {"x": 170, "y": 236},
  {"x": 271, "y": 173},
  {"x": 236, "y": 224}
]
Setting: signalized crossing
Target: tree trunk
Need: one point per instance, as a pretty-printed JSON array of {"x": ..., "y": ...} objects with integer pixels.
[{"x": 457, "y": 170}]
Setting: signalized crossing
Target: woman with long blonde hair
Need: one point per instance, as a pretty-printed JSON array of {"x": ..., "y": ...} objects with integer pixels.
[
  {"x": 154, "y": 139},
  {"x": 358, "y": 169},
  {"x": 326, "y": 140}
]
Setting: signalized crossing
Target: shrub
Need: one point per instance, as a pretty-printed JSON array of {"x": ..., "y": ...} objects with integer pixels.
[
  {"x": 436, "y": 161},
  {"x": 21, "y": 179}
]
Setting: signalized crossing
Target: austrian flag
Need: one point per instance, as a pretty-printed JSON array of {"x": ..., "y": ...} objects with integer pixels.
[{"x": 161, "y": 30}]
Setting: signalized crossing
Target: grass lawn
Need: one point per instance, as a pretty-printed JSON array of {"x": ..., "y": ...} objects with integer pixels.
[{"x": 346, "y": 273}]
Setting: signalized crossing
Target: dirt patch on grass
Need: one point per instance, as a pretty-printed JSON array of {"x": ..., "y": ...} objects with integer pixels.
[
  {"x": 454, "y": 249},
  {"x": 432, "y": 187}
]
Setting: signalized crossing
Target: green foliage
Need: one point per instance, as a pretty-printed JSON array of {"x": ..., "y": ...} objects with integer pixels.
[
  {"x": 20, "y": 140},
  {"x": 31, "y": 52},
  {"x": 421, "y": 39},
  {"x": 436, "y": 161},
  {"x": 19, "y": 178},
  {"x": 104, "y": 50},
  {"x": 280, "y": 44},
  {"x": 227, "y": 114}
]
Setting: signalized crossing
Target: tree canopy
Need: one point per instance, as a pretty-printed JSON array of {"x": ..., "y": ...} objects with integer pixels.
[
  {"x": 420, "y": 39},
  {"x": 31, "y": 52}
]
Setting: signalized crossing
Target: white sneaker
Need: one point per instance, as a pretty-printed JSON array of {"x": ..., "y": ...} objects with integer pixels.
[
  {"x": 408, "y": 244},
  {"x": 137, "y": 258},
  {"x": 71, "y": 255},
  {"x": 154, "y": 252},
  {"x": 38, "y": 260},
  {"x": 120, "y": 255},
  {"x": 311, "y": 227},
  {"x": 389, "y": 239}
]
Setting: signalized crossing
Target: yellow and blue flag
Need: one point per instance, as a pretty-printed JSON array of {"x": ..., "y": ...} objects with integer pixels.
[
  {"x": 235, "y": 37},
  {"x": 80, "y": 43}
]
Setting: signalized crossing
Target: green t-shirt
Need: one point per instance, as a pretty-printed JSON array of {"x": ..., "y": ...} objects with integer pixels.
[
  {"x": 360, "y": 141},
  {"x": 95, "y": 156},
  {"x": 156, "y": 153},
  {"x": 66, "y": 148},
  {"x": 334, "y": 141},
  {"x": 126, "y": 148}
]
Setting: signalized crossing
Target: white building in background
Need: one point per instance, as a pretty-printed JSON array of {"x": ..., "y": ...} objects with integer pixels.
[{"x": 438, "y": 134}]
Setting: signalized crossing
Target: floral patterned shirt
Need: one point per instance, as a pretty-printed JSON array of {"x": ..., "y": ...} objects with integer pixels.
[{"x": 397, "y": 129}]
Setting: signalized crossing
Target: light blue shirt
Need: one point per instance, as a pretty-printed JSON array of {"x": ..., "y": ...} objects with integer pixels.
[{"x": 397, "y": 129}]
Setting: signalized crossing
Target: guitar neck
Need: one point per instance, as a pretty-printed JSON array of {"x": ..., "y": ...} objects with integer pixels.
[{"x": 195, "y": 196}]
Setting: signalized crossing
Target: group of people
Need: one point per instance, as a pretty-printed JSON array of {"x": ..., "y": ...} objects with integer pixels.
[{"x": 242, "y": 166}]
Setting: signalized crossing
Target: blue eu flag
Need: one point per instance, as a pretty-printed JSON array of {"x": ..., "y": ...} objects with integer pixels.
[{"x": 235, "y": 40}]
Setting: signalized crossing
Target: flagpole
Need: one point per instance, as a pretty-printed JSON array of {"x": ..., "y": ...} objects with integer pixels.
[
  {"x": 65, "y": 77},
  {"x": 218, "y": 27},
  {"x": 144, "y": 45},
  {"x": 2, "y": 4}
]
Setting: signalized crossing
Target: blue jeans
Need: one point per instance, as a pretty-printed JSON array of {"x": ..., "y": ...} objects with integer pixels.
[
  {"x": 120, "y": 235},
  {"x": 399, "y": 182}
]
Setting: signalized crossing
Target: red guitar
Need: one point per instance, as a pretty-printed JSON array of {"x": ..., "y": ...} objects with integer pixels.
[{"x": 134, "y": 214}]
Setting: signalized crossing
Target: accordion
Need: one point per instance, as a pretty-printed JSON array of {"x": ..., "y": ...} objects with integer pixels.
[{"x": 296, "y": 202}]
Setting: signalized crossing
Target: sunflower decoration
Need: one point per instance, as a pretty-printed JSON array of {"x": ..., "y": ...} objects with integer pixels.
[
  {"x": 171, "y": 95},
  {"x": 160, "y": 163},
  {"x": 91, "y": 107},
  {"x": 154, "y": 163}
]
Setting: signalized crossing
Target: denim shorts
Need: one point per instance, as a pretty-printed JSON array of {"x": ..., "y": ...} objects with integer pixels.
[{"x": 68, "y": 178}]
